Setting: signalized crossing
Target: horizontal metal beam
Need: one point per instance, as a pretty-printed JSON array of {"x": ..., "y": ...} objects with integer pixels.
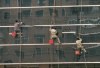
[
  {"x": 67, "y": 25},
  {"x": 13, "y": 26},
  {"x": 64, "y": 6},
  {"x": 23, "y": 44},
  {"x": 90, "y": 33},
  {"x": 6, "y": 26},
  {"x": 54, "y": 25},
  {"x": 68, "y": 32},
  {"x": 49, "y": 63},
  {"x": 47, "y": 44}
]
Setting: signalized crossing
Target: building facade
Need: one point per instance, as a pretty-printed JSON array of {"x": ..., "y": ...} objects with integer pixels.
[{"x": 35, "y": 35}]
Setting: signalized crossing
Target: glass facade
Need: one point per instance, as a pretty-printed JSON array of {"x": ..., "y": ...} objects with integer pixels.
[{"x": 41, "y": 35}]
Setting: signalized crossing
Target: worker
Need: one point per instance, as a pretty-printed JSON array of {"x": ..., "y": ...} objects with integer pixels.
[
  {"x": 17, "y": 29},
  {"x": 17, "y": 26},
  {"x": 54, "y": 35},
  {"x": 79, "y": 45}
]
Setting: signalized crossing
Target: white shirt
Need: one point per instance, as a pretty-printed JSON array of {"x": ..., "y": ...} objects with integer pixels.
[
  {"x": 53, "y": 31},
  {"x": 79, "y": 43}
]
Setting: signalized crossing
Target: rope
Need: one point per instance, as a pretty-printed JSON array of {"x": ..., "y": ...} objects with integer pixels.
[
  {"x": 93, "y": 47},
  {"x": 20, "y": 58},
  {"x": 85, "y": 60},
  {"x": 52, "y": 23},
  {"x": 80, "y": 35}
]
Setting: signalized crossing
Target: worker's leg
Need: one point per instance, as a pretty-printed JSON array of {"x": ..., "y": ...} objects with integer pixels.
[
  {"x": 17, "y": 32},
  {"x": 58, "y": 40},
  {"x": 83, "y": 49}
]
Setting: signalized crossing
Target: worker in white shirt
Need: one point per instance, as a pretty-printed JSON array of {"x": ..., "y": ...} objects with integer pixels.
[
  {"x": 79, "y": 45},
  {"x": 54, "y": 34}
]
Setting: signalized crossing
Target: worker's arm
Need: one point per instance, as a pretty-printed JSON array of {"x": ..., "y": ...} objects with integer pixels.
[
  {"x": 80, "y": 39},
  {"x": 50, "y": 29}
]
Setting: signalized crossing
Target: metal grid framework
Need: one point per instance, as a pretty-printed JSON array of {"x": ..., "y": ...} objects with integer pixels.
[{"x": 33, "y": 7}]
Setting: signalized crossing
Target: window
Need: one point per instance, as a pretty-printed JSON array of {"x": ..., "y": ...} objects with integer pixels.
[
  {"x": 39, "y": 38},
  {"x": 19, "y": 15},
  {"x": 84, "y": 10},
  {"x": 39, "y": 13},
  {"x": 74, "y": 10},
  {"x": 40, "y": 2},
  {"x": 67, "y": 0},
  {"x": 51, "y": 2},
  {"x": 87, "y": 10},
  {"x": 95, "y": 9},
  {"x": 33, "y": 67},
  {"x": 7, "y": 66},
  {"x": 24, "y": 2},
  {"x": 1, "y": 37},
  {"x": 60, "y": 53},
  {"x": 8, "y": 61},
  {"x": 25, "y": 35},
  {"x": 6, "y": 15},
  {"x": 23, "y": 67},
  {"x": 18, "y": 53},
  {"x": 1, "y": 51},
  {"x": 51, "y": 11},
  {"x": 26, "y": 13},
  {"x": 63, "y": 12},
  {"x": 38, "y": 51},
  {"x": 94, "y": 1},
  {"x": 7, "y": 2}
]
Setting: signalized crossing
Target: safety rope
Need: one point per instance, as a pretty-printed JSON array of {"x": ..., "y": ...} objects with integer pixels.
[
  {"x": 84, "y": 54},
  {"x": 53, "y": 14},
  {"x": 20, "y": 58},
  {"x": 52, "y": 22}
]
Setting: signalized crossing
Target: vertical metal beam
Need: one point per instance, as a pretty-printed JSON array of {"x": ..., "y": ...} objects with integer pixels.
[{"x": 78, "y": 20}]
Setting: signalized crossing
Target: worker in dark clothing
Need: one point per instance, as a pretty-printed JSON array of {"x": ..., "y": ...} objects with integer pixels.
[{"x": 17, "y": 29}]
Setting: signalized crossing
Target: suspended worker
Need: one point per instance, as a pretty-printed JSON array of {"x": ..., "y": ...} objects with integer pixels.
[
  {"x": 17, "y": 29},
  {"x": 79, "y": 45},
  {"x": 53, "y": 35}
]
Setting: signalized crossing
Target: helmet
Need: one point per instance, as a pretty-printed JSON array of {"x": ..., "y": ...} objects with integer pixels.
[
  {"x": 53, "y": 27},
  {"x": 16, "y": 20},
  {"x": 78, "y": 38}
]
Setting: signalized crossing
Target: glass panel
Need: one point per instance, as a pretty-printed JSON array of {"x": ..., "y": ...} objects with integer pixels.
[
  {"x": 39, "y": 13},
  {"x": 51, "y": 2},
  {"x": 6, "y": 15},
  {"x": 26, "y": 13},
  {"x": 24, "y": 2},
  {"x": 7, "y": 2},
  {"x": 23, "y": 48},
  {"x": 41, "y": 2}
]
